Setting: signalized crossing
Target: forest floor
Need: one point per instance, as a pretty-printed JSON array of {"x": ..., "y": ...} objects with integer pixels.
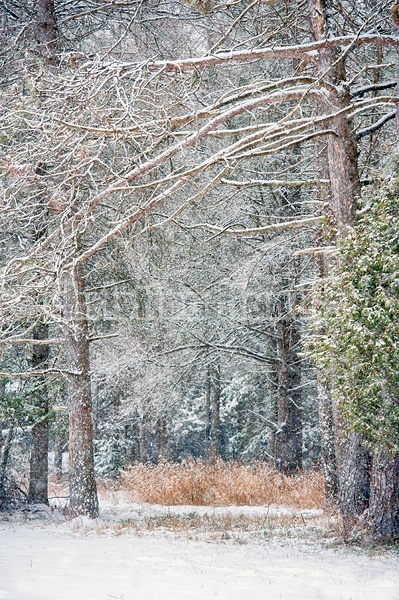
[{"x": 145, "y": 552}]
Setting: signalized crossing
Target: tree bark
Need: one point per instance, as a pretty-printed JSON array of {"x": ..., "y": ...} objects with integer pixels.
[
  {"x": 38, "y": 472},
  {"x": 83, "y": 491},
  {"x": 384, "y": 500},
  {"x": 354, "y": 490},
  {"x": 352, "y": 462},
  {"x": 46, "y": 27}
]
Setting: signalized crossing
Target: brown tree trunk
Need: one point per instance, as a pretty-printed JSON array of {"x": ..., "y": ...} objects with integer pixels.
[
  {"x": 38, "y": 472},
  {"x": 83, "y": 491},
  {"x": 384, "y": 501},
  {"x": 352, "y": 462},
  {"x": 354, "y": 489}
]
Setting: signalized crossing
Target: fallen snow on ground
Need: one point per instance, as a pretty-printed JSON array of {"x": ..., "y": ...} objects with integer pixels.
[{"x": 48, "y": 559}]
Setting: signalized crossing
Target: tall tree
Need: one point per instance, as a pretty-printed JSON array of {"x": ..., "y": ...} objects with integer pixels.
[{"x": 345, "y": 191}]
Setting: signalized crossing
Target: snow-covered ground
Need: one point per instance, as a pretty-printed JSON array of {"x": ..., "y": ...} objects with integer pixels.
[{"x": 53, "y": 559}]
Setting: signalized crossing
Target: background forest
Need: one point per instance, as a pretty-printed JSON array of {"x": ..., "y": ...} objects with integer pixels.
[{"x": 199, "y": 242}]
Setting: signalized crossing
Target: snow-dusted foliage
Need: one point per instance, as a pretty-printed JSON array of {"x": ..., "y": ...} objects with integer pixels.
[{"x": 356, "y": 328}]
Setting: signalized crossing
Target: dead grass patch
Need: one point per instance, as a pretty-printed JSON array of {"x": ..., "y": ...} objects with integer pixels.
[{"x": 222, "y": 484}]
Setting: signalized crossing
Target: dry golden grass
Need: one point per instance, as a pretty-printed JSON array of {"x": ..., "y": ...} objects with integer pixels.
[{"x": 222, "y": 484}]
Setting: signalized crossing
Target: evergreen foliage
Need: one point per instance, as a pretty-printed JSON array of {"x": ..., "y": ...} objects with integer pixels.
[{"x": 356, "y": 329}]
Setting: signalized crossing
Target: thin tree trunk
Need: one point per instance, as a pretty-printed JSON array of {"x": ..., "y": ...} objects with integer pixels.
[
  {"x": 58, "y": 452},
  {"x": 59, "y": 448},
  {"x": 83, "y": 492},
  {"x": 326, "y": 422},
  {"x": 213, "y": 442},
  {"x": 289, "y": 401},
  {"x": 144, "y": 450},
  {"x": 38, "y": 472},
  {"x": 161, "y": 439},
  {"x": 272, "y": 440}
]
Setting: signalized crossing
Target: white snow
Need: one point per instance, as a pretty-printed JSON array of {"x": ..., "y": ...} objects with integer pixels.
[{"x": 82, "y": 559}]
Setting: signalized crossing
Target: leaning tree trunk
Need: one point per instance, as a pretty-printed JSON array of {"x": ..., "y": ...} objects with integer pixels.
[
  {"x": 83, "y": 491},
  {"x": 352, "y": 463},
  {"x": 38, "y": 472}
]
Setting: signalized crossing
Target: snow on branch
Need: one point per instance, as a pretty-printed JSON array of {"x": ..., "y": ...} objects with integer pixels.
[
  {"x": 252, "y": 231},
  {"x": 309, "y": 50},
  {"x": 278, "y": 183},
  {"x": 375, "y": 126}
]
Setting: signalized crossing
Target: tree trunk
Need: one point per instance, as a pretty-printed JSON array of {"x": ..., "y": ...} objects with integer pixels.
[
  {"x": 46, "y": 27},
  {"x": 354, "y": 491},
  {"x": 326, "y": 421},
  {"x": 59, "y": 447},
  {"x": 83, "y": 492},
  {"x": 213, "y": 410},
  {"x": 289, "y": 400},
  {"x": 144, "y": 442},
  {"x": 352, "y": 462},
  {"x": 58, "y": 452},
  {"x": 273, "y": 416},
  {"x": 161, "y": 439},
  {"x": 4, "y": 497},
  {"x": 38, "y": 472},
  {"x": 38, "y": 469},
  {"x": 384, "y": 500}
]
